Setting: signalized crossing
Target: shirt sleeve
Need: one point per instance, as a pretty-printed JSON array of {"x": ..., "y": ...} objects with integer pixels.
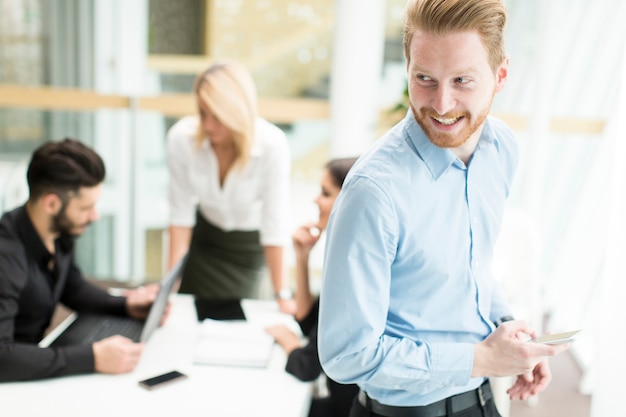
[
  {"x": 83, "y": 296},
  {"x": 304, "y": 363},
  {"x": 275, "y": 219},
  {"x": 25, "y": 362},
  {"x": 354, "y": 344},
  {"x": 500, "y": 306},
  {"x": 509, "y": 161},
  {"x": 28, "y": 361},
  {"x": 181, "y": 196}
]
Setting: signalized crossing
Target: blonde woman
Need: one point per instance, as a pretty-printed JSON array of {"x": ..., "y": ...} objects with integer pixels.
[{"x": 229, "y": 190}]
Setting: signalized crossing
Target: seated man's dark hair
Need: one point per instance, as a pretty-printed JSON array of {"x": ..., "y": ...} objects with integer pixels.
[{"x": 63, "y": 167}]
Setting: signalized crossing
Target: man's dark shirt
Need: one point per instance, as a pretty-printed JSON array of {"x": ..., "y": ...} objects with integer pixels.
[{"x": 31, "y": 285}]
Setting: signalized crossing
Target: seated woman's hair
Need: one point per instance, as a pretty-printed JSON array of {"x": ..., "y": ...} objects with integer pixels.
[{"x": 338, "y": 169}]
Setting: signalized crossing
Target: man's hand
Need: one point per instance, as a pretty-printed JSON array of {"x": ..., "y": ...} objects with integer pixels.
[
  {"x": 508, "y": 351},
  {"x": 531, "y": 383},
  {"x": 140, "y": 299},
  {"x": 116, "y": 355}
]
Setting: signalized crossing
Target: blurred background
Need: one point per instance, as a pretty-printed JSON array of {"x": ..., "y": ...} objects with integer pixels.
[{"x": 116, "y": 74}]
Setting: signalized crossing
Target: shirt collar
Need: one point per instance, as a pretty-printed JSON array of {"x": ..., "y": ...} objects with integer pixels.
[
  {"x": 437, "y": 159},
  {"x": 488, "y": 135},
  {"x": 31, "y": 238},
  {"x": 33, "y": 242},
  {"x": 256, "y": 150}
]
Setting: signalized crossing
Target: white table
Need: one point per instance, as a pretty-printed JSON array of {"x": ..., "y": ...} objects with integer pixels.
[{"x": 209, "y": 390}]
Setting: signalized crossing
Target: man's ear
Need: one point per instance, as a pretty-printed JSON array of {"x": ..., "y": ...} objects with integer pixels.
[
  {"x": 51, "y": 204},
  {"x": 502, "y": 74}
]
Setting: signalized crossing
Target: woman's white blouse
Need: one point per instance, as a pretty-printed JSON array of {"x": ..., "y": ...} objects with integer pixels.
[{"x": 253, "y": 198}]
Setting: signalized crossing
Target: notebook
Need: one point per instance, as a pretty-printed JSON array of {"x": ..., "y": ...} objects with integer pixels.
[
  {"x": 89, "y": 328},
  {"x": 233, "y": 343}
]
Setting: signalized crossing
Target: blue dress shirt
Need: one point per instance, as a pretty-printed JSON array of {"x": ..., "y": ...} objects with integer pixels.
[{"x": 407, "y": 288}]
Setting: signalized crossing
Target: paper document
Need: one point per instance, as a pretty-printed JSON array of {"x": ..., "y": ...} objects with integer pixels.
[{"x": 233, "y": 343}]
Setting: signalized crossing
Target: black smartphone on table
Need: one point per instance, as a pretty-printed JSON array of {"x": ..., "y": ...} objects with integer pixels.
[{"x": 161, "y": 380}]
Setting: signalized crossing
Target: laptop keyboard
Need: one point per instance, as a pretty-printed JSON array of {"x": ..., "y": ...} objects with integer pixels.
[
  {"x": 112, "y": 326},
  {"x": 87, "y": 329}
]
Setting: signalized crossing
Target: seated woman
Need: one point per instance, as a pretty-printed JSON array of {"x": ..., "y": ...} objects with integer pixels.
[{"x": 303, "y": 361}]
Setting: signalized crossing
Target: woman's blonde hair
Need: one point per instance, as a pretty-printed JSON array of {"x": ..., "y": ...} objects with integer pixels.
[{"x": 228, "y": 90}]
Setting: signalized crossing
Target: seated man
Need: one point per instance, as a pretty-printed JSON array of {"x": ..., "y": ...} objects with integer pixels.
[{"x": 37, "y": 270}]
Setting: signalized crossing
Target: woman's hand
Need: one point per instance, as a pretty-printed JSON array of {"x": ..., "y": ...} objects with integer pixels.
[
  {"x": 287, "y": 305},
  {"x": 304, "y": 238},
  {"x": 284, "y": 337}
]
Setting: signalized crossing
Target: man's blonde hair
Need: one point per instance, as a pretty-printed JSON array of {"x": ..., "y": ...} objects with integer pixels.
[
  {"x": 440, "y": 17},
  {"x": 228, "y": 90}
]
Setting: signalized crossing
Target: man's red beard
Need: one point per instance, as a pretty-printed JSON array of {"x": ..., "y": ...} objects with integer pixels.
[
  {"x": 443, "y": 139},
  {"x": 448, "y": 139}
]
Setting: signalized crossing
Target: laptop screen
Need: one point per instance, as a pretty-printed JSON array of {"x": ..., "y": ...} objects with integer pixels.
[{"x": 160, "y": 303}]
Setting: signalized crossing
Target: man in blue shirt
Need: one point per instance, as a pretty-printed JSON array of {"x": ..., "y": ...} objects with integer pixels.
[{"x": 408, "y": 303}]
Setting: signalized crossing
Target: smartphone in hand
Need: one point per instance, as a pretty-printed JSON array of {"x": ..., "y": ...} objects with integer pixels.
[
  {"x": 161, "y": 380},
  {"x": 557, "y": 339}
]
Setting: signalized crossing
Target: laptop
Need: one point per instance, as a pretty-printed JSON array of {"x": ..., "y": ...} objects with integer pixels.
[{"x": 89, "y": 328}]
